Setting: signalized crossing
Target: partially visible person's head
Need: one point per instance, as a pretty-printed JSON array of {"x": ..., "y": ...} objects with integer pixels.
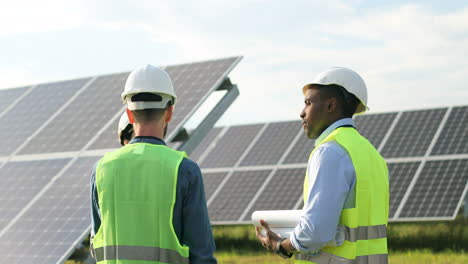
[
  {"x": 327, "y": 99},
  {"x": 125, "y": 130},
  {"x": 150, "y": 96}
]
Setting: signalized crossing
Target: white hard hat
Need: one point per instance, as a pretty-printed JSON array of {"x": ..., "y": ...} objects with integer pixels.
[
  {"x": 148, "y": 79},
  {"x": 123, "y": 124},
  {"x": 346, "y": 78}
]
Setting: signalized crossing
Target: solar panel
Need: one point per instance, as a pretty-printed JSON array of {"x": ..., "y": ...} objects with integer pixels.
[
  {"x": 413, "y": 133},
  {"x": 58, "y": 219},
  {"x": 21, "y": 181},
  {"x": 400, "y": 176},
  {"x": 204, "y": 144},
  {"x": 33, "y": 110},
  {"x": 193, "y": 82},
  {"x": 231, "y": 146},
  {"x": 454, "y": 138},
  {"x": 301, "y": 150},
  {"x": 7, "y": 96},
  {"x": 438, "y": 190},
  {"x": 212, "y": 181},
  {"x": 42, "y": 220},
  {"x": 374, "y": 127},
  {"x": 236, "y": 194},
  {"x": 271, "y": 145},
  {"x": 281, "y": 193},
  {"x": 80, "y": 121}
]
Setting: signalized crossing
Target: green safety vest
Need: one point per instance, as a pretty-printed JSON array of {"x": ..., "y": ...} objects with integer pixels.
[
  {"x": 136, "y": 186},
  {"x": 365, "y": 225}
]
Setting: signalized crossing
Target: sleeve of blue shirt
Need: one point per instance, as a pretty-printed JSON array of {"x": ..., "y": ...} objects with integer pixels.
[
  {"x": 95, "y": 212},
  {"x": 193, "y": 228},
  {"x": 331, "y": 183}
]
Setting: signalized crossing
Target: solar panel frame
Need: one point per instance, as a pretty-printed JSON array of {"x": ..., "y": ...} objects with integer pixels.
[
  {"x": 276, "y": 193},
  {"x": 400, "y": 172},
  {"x": 455, "y": 138},
  {"x": 413, "y": 133},
  {"x": 374, "y": 126},
  {"x": 429, "y": 183},
  {"x": 33, "y": 110},
  {"x": 227, "y": 153},
  {"x": 270, "y": 146},
  {"x": 230, "y": 201},
  {"x": 60, "y": 207}
]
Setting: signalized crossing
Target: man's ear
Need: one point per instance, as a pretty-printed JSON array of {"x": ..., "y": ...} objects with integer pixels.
[
  {"x": 169, "y": 112},
  {"x": 131, "y": 118},
  {"x": 331, "y": 105}
]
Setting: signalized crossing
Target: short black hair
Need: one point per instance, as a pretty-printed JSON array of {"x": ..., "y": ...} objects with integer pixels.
[
  {"x": 126, "y": 134},
  {"x": 348, "y": 101}
]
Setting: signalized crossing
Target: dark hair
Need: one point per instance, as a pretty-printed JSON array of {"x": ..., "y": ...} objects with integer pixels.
[
  {"x": 348, "y": 102},
  {"x": 126, "y": 134},
  {"x": 147, "y": 115}
]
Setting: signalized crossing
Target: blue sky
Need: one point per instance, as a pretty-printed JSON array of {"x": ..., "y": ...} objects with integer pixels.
[{"x": 412, "y": 54}]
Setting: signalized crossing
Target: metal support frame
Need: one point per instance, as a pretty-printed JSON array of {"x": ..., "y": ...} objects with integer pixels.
[{"x": 208, "y": 122}]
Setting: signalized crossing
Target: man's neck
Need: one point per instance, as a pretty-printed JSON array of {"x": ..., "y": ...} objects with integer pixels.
[{"x": 149, "y": 130}]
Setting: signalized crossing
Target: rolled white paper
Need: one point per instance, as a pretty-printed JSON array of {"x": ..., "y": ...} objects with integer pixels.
[{"x": 281, "y": 222}]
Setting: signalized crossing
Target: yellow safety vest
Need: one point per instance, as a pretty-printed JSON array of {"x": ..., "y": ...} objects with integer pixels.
[
  {"x": 365, "y": 225},
  {"x": 136, "y": 186}
]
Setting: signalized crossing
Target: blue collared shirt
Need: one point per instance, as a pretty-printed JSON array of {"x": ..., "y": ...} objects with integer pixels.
[
  {"x": 331, "y": 188},
  {"x": 190, "y": 219}
]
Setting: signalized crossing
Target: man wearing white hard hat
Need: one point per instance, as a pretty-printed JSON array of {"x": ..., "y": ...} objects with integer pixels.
[
  {"x": 125, "y": 130},
  {"x": 148, "y": 201},
  {"x": 346, "y": 182}
]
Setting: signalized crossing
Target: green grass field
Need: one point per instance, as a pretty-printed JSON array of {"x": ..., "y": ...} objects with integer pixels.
[{"x": 420, "y": 242}]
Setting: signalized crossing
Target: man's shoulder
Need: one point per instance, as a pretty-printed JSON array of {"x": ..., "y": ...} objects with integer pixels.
[
  {"x": 330, "y": 148},
  {"x": 189, "y": 168}
]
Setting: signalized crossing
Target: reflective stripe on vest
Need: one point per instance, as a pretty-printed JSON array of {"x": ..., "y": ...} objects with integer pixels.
[
  {"x": 365, "y": 232},
  {"x": 139, "y": 253},
  {"x": 327, "y": 258}
]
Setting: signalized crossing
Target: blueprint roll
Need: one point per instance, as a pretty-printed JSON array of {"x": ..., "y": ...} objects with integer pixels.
[{"x": 281, "y": 222}]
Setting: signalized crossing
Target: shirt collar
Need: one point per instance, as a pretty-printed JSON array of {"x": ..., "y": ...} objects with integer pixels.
[
  {"x": 326, "y": 132},
  {"x": 147, "y": 139}
]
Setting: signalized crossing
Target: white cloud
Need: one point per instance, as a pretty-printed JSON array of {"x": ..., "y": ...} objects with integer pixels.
[{"x": 28, "y": 16}]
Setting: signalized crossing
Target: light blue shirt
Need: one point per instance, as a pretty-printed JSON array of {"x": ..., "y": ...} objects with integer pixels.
[{"x": 331, "y": 188}]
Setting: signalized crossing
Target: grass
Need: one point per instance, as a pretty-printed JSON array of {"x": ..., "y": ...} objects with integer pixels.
[
  {"x": 419, "y": 242},
  {"x": 409, "y": 257}
]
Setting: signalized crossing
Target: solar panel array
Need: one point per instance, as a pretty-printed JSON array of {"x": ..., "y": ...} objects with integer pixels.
[
  {"x": 52, "y": 136},
  {"x": 262, "y": 166}
]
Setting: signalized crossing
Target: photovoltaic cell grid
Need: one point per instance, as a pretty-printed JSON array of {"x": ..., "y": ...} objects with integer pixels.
[
  {"x": 454, "y": 138},
  {"x": 271, "y": 145},
  {"x": 230, "y": 147},
  {"x": 7, "y": 96},
  {"x": 438, "y": 189},
  {"x": 192, "y": 82},
  {"x": 413, "y": 133},
  {"x": 204, "y": 144},
  {"x": 33, "y": 110},
  {"x": 236, "y": 194},
  {"x": 400, "y": 176},
  {"x": 410, "y": 138},
  {"x": 301, "y": 150},
  {"x": 21, "y": 181},
  {"x": 212, "y": 181},
  {"x": 281, "y": 193},
  {"x": 57, "y": 220},
  {"x": 374, "y": 127},
  {"x": 82, "y": 119}
]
